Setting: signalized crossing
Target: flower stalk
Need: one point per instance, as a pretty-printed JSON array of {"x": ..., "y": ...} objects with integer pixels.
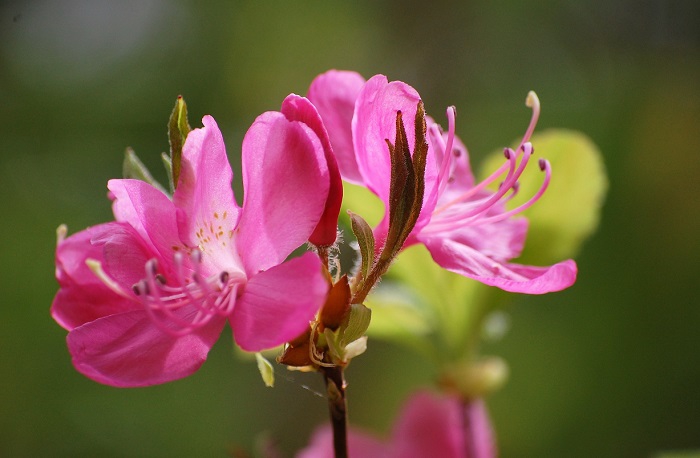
[{"x": 337, "y": 408}]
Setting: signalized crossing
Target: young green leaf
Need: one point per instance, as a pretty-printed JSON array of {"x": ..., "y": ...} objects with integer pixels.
[
  {"x": 365, "y": 239},
  {"x": 135, "y": 169},
  {"x": 178, "y": 128}
]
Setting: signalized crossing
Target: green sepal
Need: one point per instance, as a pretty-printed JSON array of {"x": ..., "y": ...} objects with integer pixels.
[
  {"x": 357, "y": 324},
  {"x": 569, "y": 211},
  {"x": 178, "y": 128},
  {"x": 133, "y": 168},
  {"x": 365, "y": 240},
  {"x": 333, "y": 345},
  {"x": 267, "y": 372}
]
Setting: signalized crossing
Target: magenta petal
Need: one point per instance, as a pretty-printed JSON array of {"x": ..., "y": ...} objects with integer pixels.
[
  {"x": 360, "y": 444},
  {"x": 334, "y": 94},
  {"x": 147, "y": 210},
  {"x": 125, "y": 254},
  {"x": 480, "y": 438},
  {"x": 82, "y": 297},
  {"x": 429, "y": 425},
  {"x": 285, "y": 181},
  {"x": 207, "y": 213},
  {"x": 497, "y": 240},
  {"x": 128, "y": 350},
  {"x": 375, "y": 122},
  {"x": 278, "y": 304},
  {"x": 467, "y": 261},
  {"x": 297, "y": 108}
]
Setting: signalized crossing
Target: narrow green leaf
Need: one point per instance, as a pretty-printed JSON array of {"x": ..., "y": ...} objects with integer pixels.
[
  {"x": 267, "y": 372},
  {"x": 168, "y": 164},
  {"x": 135, "y": 169},
  {"x": 401, "y": 190},
  {"x": 365, "y": 239},
  {"x": 178, "y": 128},
  {"x": 419, "y": 161}
]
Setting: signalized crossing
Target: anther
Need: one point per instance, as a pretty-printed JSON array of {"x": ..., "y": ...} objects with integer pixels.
[
  {"x": 223, "y": 277},
  {"x": 152, "y": 267},
  {"x": 542, "y": 163},
  {"x": 141, "y": 288},
  {"x": 508, "y": 153},
  {"x": 160, "y": 279}
]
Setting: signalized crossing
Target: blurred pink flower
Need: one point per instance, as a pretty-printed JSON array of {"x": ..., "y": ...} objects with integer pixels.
[
  {"x": 146, "y": 296},
  {"x": 429, "y": 424},
  {"x": 465, "y": 227}
]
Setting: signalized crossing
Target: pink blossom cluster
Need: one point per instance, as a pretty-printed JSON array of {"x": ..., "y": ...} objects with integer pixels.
[{"x": 145, "y": 297}]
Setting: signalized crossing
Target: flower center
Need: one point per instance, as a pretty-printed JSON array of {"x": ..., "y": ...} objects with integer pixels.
[{"x": 187, "y": 300}]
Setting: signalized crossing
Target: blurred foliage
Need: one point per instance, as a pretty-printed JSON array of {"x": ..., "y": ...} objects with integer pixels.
[
  {"x": 607, "y": 368},
  {"x": 569, "y": 211}
]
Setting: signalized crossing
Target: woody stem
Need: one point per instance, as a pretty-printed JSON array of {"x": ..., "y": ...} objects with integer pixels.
[{"x": 335, "y": 388}]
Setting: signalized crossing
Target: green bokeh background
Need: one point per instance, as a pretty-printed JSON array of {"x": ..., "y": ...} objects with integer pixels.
[{"x": 608, "y": 368}]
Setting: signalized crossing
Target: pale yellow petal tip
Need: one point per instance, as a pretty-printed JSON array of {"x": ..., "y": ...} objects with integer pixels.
[{"x": 532, "y": 100}]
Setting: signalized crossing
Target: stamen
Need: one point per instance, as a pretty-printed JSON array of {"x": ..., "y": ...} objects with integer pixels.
[
  {"x": 532, "y": 101},
  {"x": 96, "y": 268},
  {"x": 545, "y": 167},
  {"x": 447, "y": 157},
  {"x": 209, "y": 296},
  {"x": 61, "y": 232},
  {"x": 511, "y": 178}
]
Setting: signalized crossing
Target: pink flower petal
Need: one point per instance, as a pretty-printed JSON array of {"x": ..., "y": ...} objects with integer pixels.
[
  {"x": 481, "y": 440},
  {"x": 499, "y": 240},
  {"x": 360, "y": 444},
  {"x": 467, "y": 261},
  {"x": 128, "y": 350},
  {"x": 82, "y": 297},
  {"x": 334, "y": 94},
  {"x": 460, "y": 176},
  {"x": 429, "y": 425},
  {"x": 149, "y": 211},
  {"x": 296, "y": 108},
  {"x": 125, "y": 254},
  {"x": 207, "y": 213},
  {"x": 374, "y": 123},
  {"x": 278, "y": 304},
  {"x": 286, "y": 182}
]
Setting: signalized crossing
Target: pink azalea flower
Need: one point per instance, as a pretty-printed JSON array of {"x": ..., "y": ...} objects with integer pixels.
[
  {"x": 465, "y": 227},
  {"x": 429, "y": 424},
  {"x": 146, "y": 296}
]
